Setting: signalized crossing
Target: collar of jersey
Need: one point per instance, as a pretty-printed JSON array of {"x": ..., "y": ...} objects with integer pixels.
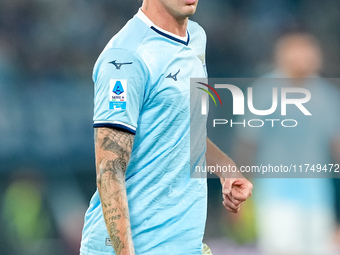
[{"x": 184, "y": 40}]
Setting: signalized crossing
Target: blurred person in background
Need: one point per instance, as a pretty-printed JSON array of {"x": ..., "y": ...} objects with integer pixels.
[
  {"x": 294, "y": 216},
  {"x": 146, "y": 201},
  {"x": 25, "y": 218}
]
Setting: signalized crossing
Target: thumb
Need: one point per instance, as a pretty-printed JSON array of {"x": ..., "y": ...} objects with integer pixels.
[{"x": 227, "y": 185}]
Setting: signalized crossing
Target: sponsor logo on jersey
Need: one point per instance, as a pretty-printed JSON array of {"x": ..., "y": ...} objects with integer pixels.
[
  {"x": 119, "y": 65},
  {"x": 173, "y": 76},
  {"x": 118, "y": 94}
]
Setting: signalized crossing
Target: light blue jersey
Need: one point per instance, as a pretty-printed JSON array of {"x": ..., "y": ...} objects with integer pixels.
[{"x": 142, "y": 85}]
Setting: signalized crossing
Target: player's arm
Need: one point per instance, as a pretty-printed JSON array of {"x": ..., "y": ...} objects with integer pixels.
[
  {"x": 335, "y": 148},
  {"x": 235, "y": 188},
  {"x": 113, "y": 149}
]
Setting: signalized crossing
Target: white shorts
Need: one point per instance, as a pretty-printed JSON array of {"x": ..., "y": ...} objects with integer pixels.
[{"x": 288, "y": 228}]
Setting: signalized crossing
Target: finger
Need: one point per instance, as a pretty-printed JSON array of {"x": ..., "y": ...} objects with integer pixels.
[
  {"x": 230, "y": 204},
  {"x": 237, "y": 203},
  {"x": 241, "y": 191},
  {"x": 233, "y": 200},
  {"x": 229, "y": 208},
  {"x": 227, "y": 185},
  {"x": 240, "y": 194},
  {"x": 226, "y": 190}
]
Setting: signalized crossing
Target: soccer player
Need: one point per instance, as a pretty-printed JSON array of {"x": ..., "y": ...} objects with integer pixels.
[
  {"x": 296, "y": 216},
  {"x": 146, "y": 202}
]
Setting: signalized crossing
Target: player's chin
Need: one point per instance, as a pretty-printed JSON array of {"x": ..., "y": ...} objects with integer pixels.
[{"x": 189, "y": 10}]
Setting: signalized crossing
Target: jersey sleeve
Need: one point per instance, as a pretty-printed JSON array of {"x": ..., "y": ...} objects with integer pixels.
[{"x": 120, "y": 81}]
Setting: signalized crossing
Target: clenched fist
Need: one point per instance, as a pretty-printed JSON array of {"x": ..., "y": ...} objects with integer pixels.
[{"x": 235, "y": 191}]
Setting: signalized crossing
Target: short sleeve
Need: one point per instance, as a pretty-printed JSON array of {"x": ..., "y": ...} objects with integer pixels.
[{"x": 120, "y": 81}]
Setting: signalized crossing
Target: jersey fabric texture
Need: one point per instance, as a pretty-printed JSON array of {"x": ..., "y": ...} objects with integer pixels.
[{"x": 142, "y": 85}]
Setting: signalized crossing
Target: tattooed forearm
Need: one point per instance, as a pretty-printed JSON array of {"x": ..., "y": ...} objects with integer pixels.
[
  {"x": 117, "y": 167},
  {"x": 118, "y": 142},
  {"x": 110, "y": 211},
  {"x": 113, "y": 149},
  {"x": 117, "y": 243}
]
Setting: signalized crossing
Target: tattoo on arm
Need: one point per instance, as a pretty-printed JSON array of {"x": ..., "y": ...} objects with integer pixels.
[{"x": 113, "y": 149}]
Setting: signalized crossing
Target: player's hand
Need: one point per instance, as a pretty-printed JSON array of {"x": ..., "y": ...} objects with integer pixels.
[{"x": 235, "y": 191}]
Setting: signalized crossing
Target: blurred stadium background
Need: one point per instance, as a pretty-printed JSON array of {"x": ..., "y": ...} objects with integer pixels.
[{"x": 47, "y": 51}]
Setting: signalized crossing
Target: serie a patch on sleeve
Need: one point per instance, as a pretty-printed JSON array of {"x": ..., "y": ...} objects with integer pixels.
[{"x": 118, "y": 94}]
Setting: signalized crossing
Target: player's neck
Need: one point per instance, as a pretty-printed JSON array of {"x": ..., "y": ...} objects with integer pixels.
[{"x": 163, "y": 19}]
